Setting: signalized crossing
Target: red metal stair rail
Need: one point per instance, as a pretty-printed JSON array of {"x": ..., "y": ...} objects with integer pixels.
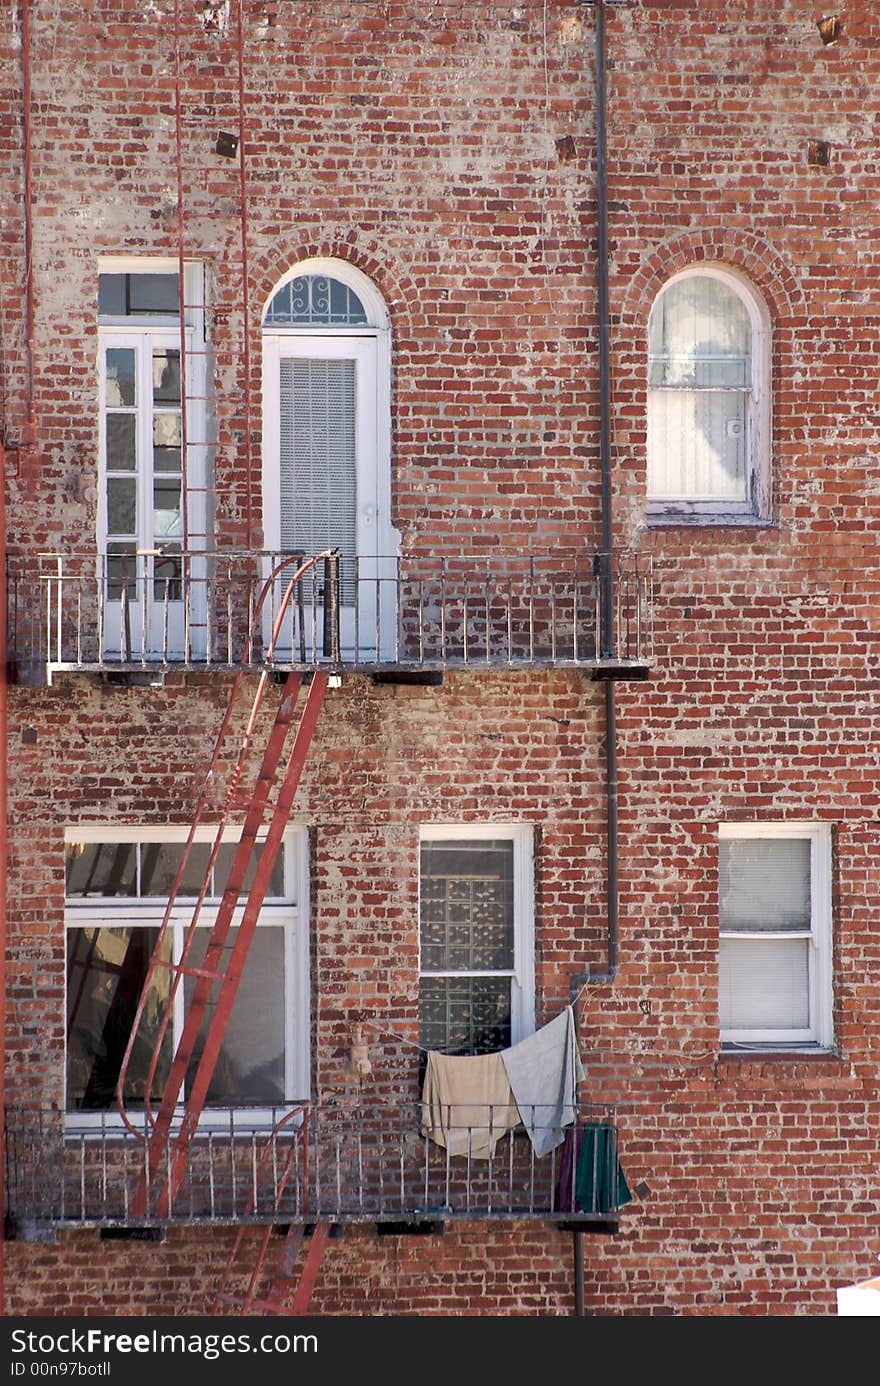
[
  {"x": 287, "y": 1294},
  {"x": 166, "y": 1153}
]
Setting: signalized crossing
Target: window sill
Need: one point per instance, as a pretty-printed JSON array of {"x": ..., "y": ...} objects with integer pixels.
[
  {"x": 808, "y": 1062},
  {"x": 682, "y": 519}
]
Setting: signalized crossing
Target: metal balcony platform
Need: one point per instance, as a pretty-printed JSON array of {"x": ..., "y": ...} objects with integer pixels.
[
  {"x": 341, "y": 1165},
  {"x": 410, "y": 618}
]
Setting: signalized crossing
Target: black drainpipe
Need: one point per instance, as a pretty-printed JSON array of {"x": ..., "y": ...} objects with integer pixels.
[{"x": 605, "y": 567}]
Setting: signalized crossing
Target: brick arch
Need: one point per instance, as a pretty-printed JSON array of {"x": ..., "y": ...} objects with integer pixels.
[
  {"x": 400, "y": 293},
  {"x": 735, "y": 250}
]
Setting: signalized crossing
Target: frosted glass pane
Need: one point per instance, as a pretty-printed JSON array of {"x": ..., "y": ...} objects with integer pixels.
[
  {"x": 697, "y": 444},
  {"x": 764, "y": 883},
  {"x": 764, "y": 984},
  {"x": 700, "y": 335}
]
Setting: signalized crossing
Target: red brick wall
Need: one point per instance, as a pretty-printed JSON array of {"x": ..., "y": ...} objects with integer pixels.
[{"x": 419, "y": 142}]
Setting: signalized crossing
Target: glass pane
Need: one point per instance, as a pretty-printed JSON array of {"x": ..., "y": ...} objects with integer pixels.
[
  {"x": 121, "y": 505},
  {"x": 168, "y": 576},
  {"x": 166, "y": 442},
  {"x": 106, "y": 971},
  {"x": 128, "y": 295},
  {"x": 111, "y": 295},
  {"x": 764, "y": 883},
  {"x": 166, "y": 508},
  {"x": 250, "y": 1065},
  {"x": 225, "y": 858},
  {"x": 464, "y": 1015},
  {"x": 100, "y": 868},
  {"x": 764, "y": 984},
  {"x": 159, "y": 864},
  {"x": 166, "y": 375},
  {"x": 120, "y": 376},
  {"x": 699, "y": 334},
  {"x": 314, "y": 299},
  {"x": 122, "y": 572},
  {"x": 697, "y": 445},
  {"x": 466, "y": 911},
  {"x": 153, "y": 293},
  {"x": 121, "y": 442}
]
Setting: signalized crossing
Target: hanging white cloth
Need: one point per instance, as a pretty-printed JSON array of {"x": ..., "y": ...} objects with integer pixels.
[
  {"x": 543, "y": 1071},
  {"x": 470, "y": 1101},
  {"x": 467, "y": 1104}
]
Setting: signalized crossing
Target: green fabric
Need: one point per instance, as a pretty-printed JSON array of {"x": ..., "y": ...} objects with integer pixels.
[{"x": 600, "y": 1184}]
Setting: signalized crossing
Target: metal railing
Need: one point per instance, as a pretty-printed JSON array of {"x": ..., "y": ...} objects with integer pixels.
[
  {"x": 333, "y": 1163},
  {"x": 82, "y": 613}
]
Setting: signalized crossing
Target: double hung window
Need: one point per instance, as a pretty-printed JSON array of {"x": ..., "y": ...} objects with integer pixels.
[
  {"x": 476, "y": 926},
  {"x": 774, "y": 892}
]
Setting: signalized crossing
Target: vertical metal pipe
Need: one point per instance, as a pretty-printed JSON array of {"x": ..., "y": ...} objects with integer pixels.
[
  {"x": 607, "y": 611},
  {"x": 28, "y": 217}
]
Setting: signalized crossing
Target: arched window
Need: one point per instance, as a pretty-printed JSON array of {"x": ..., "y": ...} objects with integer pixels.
[
  {"x": 708, "y": 399},
  {"x": 326, "y": 439}
]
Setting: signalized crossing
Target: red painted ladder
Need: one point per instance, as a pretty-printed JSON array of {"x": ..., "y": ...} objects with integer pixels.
[{"x": 167, "y": 1144}]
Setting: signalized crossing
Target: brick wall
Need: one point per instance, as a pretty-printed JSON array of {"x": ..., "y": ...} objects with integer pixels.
[{"x": 423, "y": 143}]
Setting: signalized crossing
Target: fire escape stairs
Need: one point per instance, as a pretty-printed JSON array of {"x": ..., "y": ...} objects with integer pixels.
[{"x": 173, "y": 1122}]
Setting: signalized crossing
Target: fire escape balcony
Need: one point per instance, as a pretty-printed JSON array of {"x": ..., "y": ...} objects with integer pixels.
[
  {"x": 138, "y": 617},
  {"x": 353, "y": 1162}
]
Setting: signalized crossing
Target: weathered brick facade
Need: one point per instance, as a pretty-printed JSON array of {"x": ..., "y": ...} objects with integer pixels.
[{"x": 425, "y": 144}]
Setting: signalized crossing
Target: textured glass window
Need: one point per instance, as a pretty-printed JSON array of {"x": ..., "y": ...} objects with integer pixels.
[{"x": 466, "y": 923}]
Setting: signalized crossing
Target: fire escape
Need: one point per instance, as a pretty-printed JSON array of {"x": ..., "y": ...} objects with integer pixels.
[{"x": 434, "y": 613}]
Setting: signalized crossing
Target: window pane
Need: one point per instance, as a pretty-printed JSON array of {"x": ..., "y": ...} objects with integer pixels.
[
  {"x": 764, "y": 984},
  {"x": 120, "y": 376},
  {"x": 225, "y": 858},
  {"x": 166, "y": 442},
  {"x": 166, "y": 507},
  {"x": 314, "y": 299},
  {"x": 467, "y": 906},
  {"x": 318, "y": 456},
  {"x": 121, "y": 505},
  {"x": 128, "y": 295},
  {"x": 764, "y": 883},
  {"x": 697, "y": 442},
  {"x": 700, "y": 335},
  {"x": 101, "y": 868},
  {"x": 159, "y": 864},
  {"x": 106, "y": 971},
  {"x": 250, "y": 1065},
  {"x": 166, "y": 375},
  {"x": 122, "y": 572},
  {"x": 464, "y": 1015},
  {"x": 120, "y": 434}
]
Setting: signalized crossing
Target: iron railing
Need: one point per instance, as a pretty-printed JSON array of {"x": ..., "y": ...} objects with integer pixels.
[
  {"x": 333, "y": 1163},
  {"x": 419, "y": 612}
]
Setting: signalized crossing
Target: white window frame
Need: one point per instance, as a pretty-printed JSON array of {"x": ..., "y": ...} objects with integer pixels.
[
  {"x": 290, "y": 911},
  {"x": 756, "y": 506},
  {"x": 819, "y": 1033},
  {"x": 522, "y": 999},
  {"x": 142, "y": 333}
]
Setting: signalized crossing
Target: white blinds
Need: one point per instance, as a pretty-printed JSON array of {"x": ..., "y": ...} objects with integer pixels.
[
  {"x": 764, "y": 883},
  {"x": 318, "y": 455}
]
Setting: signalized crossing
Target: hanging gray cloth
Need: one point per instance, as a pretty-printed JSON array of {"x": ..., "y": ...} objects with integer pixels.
[{"x": 543, "y": 1072}]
